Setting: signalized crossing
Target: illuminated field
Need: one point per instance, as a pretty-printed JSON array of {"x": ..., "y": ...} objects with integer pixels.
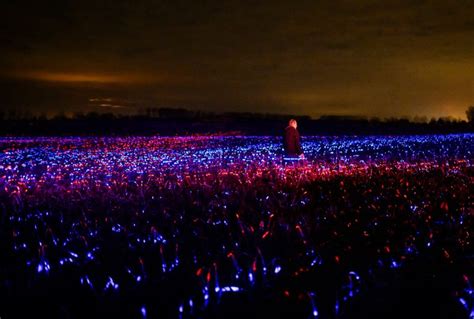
[{"x": 202, "y": 226}]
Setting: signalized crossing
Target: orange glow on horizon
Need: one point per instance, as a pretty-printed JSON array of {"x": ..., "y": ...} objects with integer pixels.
[
  {"x": 100, "y": 78},
  {"x": 77, "y": 77},
  {"x": 86, "y": 77}
]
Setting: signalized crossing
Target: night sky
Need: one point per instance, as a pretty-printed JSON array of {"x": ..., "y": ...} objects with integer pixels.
[{"x": 370, "y": 58}]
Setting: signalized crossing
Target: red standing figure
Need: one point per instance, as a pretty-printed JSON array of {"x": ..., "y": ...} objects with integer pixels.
[{"x": 291, "y": 141}]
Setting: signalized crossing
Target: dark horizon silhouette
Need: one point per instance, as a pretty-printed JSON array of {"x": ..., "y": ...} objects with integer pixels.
[{"x": 170, "y": 121}]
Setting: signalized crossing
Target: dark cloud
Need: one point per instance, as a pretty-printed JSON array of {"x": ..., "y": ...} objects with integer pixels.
[{"x": 386, "y": 58}]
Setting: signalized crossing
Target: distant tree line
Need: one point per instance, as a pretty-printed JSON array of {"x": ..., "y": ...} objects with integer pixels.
[{"x": 172, "y": 121}]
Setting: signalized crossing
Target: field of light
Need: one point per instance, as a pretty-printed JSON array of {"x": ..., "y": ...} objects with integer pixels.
[{"x": 194, "y": 226}]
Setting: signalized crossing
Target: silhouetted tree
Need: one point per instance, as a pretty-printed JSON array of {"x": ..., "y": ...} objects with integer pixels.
[
  {"x": 107, "y": 116},
  {"x": 61, "y": 116},
  {"x": 92, "y": 115},
  {"x": 420, "y": 119},
  {"x": 171, "y": 113},
  {"x": 12, "y": 115},
  {"x": 78, "y": 115},
  {"x": 445, "y": 120},
  {"x": 470, "y": 114}
]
